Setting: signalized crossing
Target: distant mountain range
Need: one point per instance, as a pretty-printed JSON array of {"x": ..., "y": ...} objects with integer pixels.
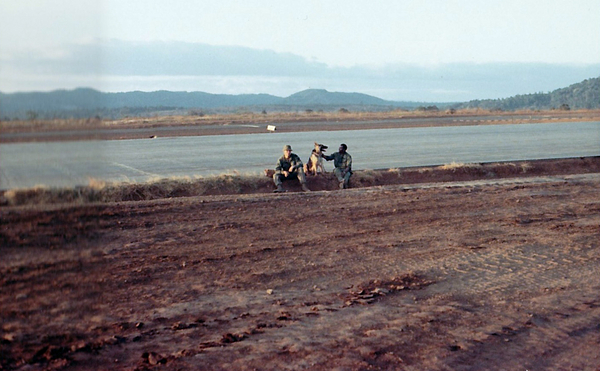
[{"x": 84, "y": 102}]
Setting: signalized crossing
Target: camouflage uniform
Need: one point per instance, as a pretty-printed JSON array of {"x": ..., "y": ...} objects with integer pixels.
[
  {"x": 294, "y": 166},
  {"x": 343, "y": 167}
]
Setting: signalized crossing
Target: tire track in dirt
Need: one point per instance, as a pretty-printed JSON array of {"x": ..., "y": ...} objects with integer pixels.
[
  {"x": 236, "y": 282},
  {"x": 494, "y": 272},
  {"x": 494, "y": 265}
]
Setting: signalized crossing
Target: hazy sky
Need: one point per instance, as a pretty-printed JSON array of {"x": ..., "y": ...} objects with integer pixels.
[{"x": 395, "y": 49}]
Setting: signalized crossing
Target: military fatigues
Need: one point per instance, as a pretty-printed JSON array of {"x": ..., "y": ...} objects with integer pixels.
[
  {"x": 342, "y": 163},
  {"x": 293, "y": 165}
]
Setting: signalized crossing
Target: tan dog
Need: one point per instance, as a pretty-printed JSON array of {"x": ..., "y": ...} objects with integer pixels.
[{"x": 314, "y": 164}]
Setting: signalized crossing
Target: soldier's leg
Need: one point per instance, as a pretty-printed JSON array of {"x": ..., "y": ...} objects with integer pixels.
[
  {"x": 277, "y": 179},
  {"x": 338, "y": 174},
  {"x": 301, "y": 176},
  {"x": 347, "y": 179},
  {"x": 302, "y": 179}
]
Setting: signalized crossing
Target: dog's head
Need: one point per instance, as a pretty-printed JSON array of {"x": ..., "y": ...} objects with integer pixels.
[{"x": 320, "y": 148}]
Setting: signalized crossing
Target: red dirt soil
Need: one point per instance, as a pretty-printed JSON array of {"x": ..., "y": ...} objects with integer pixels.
[{"x": 453, "y": 274}]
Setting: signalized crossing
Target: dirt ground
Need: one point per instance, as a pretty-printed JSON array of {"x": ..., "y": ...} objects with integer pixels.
[
  {"x": 491, "y": 267},
  {"x": 493, "y": 274}
]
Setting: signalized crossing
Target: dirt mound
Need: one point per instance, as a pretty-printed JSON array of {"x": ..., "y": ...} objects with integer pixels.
[
  {"x": 237, "y": 184},
  {"x": 447, "y": 173}
]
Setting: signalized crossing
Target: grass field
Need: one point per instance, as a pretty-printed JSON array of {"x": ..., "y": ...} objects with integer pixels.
[{"x": 259, "y": 118}]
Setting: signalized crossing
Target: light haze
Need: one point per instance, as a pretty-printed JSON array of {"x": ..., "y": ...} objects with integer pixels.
[{"x": 426, "y": 50}]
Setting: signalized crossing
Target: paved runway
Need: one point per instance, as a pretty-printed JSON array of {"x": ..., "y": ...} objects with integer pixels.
[{"x": 67, "y": 164}]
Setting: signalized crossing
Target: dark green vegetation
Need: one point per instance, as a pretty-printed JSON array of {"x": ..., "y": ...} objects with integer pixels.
[
  {"x": 583, "y": 95},
  {"x": 83, "y": 103},
  {"x": 87, "y": 103}
]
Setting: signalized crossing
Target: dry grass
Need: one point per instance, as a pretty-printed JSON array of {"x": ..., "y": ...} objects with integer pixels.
[
  {"x": 259, "y": 118},
  {"x": 525, "y": 167},
  {"x": 99, "y": 191},
  {"x": 235, "y": 183},
  {"x": 456, "y": 165},
  {"x": 522, "y": 167}
]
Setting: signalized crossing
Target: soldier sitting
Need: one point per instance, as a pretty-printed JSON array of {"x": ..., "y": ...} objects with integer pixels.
[
  {"x": 289, "y": 166},
  {"x": 342, "y": 162}
]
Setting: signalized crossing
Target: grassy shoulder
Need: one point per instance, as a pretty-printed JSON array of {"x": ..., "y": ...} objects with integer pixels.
[
  {"x": 16, "y": 126},
  {"x": 253, "y": 184}
]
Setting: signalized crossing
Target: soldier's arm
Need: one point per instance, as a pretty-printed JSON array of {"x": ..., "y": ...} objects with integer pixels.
[
  {"x": 279, "y": 167},
  {"x": 297, "y": 164}
]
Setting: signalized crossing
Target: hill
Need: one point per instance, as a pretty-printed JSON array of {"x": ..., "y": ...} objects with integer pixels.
[
  {"x": 323, "y": 97},
  {"x": 583, "y": 95},
  {"x": 85, "y": 102}
]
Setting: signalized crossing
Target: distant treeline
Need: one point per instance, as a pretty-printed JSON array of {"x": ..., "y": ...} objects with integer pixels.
[
  {"x": 84, "y": 103},
  {"x": 583, "y": 95},
  {"x": 90, "y": 103}
]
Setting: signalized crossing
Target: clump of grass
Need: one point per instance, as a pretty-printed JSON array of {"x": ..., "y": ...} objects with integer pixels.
[
  {"x": 458, "y": 165},
  {"x": 36, "y": 195},
  {"x": 525, "y": 167},
  {"x": 96, "y": 184}
]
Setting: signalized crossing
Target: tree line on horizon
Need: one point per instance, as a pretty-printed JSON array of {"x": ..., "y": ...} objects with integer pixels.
[
  {"x": 583, "y": 95},
  {"x": 89, "y": 103}
]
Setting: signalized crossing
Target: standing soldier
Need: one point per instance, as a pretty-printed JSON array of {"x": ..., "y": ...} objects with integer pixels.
[
  {"x": 342, "y": 161},
  {"x": 289, "y": 166}
]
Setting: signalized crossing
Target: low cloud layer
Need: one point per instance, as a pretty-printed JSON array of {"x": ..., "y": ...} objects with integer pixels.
[{"x": 113, "y": 65}]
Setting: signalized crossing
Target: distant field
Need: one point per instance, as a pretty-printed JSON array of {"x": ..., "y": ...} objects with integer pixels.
[{"x": 246, "y": 123}]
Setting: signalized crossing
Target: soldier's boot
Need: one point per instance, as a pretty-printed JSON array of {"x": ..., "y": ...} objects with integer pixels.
[
  {"x": 305, "y": 188},
  {"x": 279, "y": 189},
  {"x": 342, "y": 185}
]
